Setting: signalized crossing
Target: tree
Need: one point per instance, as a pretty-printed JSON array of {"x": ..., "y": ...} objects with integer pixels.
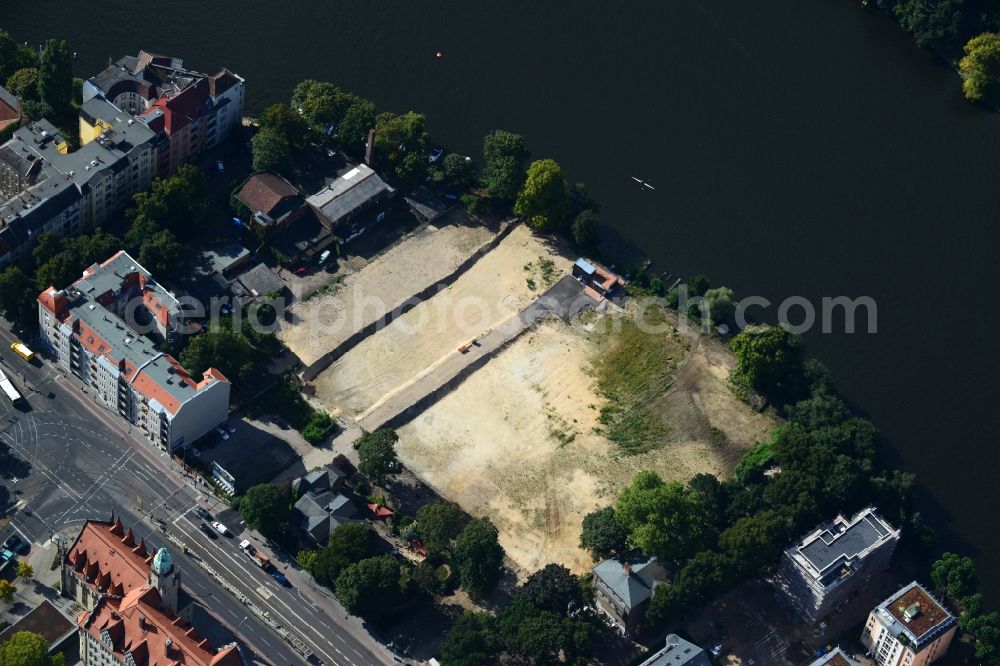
[
  {"x": 459, "y": 170},
  {"x": 7, "y": 591},
  {"x": 955, "y": 576},
  {"x": 756, "y": 542},
  {"x": 663, "y": 519},
  {"x": 472, "y": 641},
  {"x": 720, "y": 303},
  {"x": 370, "y": 588},
  {"x": 584, "y": 230},
  {"x": 602, "y": 534},
  {"x": 980, "y": 68},
  {"x": 412, "y": 169},
  {"x": 179, "y": 204},
  {"x": 320, "y": 103},
  {"x": 348, "y": 544},
  {"x": 543, "y": 199},
  {"x": 161, "y": 254},
  {"x": 26, "y": 648},
  {"x": 438, "y": 524},
  {"x": 14, "y": 56},
  {"x": 284, "y": 120},
  {"x": 377, "y": 451},
  {"x": 25, "y": 571},
  {"x": 264, "y": 507},
  {"x": 352, "y": 130},
  {"x": 271, "y": 151},
  {"x": 933, "y": 23},
  {"x": 504, "y": 156},
  {"x": 219, "y": 348},
  {"x": 539, "y": 636},
  {"x": 396, "y": 136},
  {"x": 55, "y": 76},
  {"x": 24, "y": 83},
  {"x": 768, "y": 359},
  {"x": 479, "y": 556},
  {"x": 17, "y": 297},
  {"x": 553, "y": 588},
  {"x": 712, "y": 495},
  {"x": 140, "y": 231},
  {"x": 307, "y": 560}
]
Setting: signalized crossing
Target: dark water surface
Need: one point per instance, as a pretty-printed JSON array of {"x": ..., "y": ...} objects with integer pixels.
[{"x": 797, "y": 147}]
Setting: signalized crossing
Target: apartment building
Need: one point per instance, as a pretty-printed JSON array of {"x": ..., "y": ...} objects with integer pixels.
[
  {"x": 136, "y": 611},
  {"x": 192, "y": 110},
  {"x": 102, "y": 329},
  {"x": 828, "y": 566},
  {"x": 46, "y": 188},
  {"x": 910, "y": 628},
  {"x": 140, "y": 119}
]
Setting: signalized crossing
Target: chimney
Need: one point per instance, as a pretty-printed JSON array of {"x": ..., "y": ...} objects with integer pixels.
[
  {"x": 370, "y": 147},
  {"x": 167, "y": 644}
]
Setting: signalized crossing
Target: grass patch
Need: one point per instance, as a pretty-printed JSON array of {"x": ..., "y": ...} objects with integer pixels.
[
  {"x": 329, "y": 289},
  {"x": 634, "y": 371}
]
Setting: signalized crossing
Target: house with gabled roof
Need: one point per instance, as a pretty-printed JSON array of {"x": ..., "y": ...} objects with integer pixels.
[{"x": 624, "y": 587}]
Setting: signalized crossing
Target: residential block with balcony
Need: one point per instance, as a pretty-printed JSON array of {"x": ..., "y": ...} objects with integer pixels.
[
  {"x": 910, "y": 628},
  {"x": 103, "y": 329}
]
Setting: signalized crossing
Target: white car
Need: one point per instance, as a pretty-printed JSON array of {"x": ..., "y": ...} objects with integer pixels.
[
  {"x": 220, "y": 166},
  {"x": 434, "y": 155},
  {"x": 220, "y": 528},
  {"x": 195, "y": 452},
  {"x": 222, "y": 433}
]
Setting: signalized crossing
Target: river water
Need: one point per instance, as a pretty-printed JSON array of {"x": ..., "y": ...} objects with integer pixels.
[{"x": 797, "y": 148}]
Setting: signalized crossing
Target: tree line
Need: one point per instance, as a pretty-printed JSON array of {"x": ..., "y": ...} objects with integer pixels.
[
  {"x": 43, "y": 81},
  {"x": 822, "y": 461},
  {"x": 947, "y": 25},
  {"x": 505, "y": 183}
]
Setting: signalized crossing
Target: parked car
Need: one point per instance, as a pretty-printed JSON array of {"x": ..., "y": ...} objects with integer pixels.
[
  {"x": 301, "y": 270},
  {"x": 231, "y": 428},
  {"x": 221, "y": 529},
  {"x": 220, "y": 167},
  {"x": 202, "y": 513},
  {"x": 280, "y": 577},
  {"x": 222, "y": 433},
  {"x": 195, "y": 452},
  {"x": 434, "y": 155},
  {"x": 208, "y": 531},
  {"x": 17, "y": 544}
]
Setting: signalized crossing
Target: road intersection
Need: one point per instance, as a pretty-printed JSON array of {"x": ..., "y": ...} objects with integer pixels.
[{"x": 81, "y": 462}]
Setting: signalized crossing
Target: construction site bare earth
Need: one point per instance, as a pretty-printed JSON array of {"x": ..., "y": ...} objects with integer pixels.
[{"x": 499, "y": 412}]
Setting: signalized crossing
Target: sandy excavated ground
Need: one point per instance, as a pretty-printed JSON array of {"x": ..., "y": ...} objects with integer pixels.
[
  {"x": 493, "y": 290},
  {"x": 516, "y": 441},
  {"x": 408, "y": 267}
]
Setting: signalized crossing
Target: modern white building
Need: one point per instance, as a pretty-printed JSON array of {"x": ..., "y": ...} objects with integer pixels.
[
  {"x": 910, "y": 628},
  {"x": 102, "y": 329},
  {"x": 829, "y": 565}
]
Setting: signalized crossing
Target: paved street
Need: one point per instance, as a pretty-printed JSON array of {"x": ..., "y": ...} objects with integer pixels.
[{"x": 82, "y": 462}]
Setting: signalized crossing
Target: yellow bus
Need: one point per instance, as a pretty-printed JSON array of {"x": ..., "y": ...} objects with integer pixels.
[{"x": 22, "y": 351}]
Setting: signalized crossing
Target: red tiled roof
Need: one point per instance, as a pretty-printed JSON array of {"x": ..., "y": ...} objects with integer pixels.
[
  {"x": 154, "y": 636},
  {"x": 265, "y": 191},
  {"x": 108, "y": 558}
]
